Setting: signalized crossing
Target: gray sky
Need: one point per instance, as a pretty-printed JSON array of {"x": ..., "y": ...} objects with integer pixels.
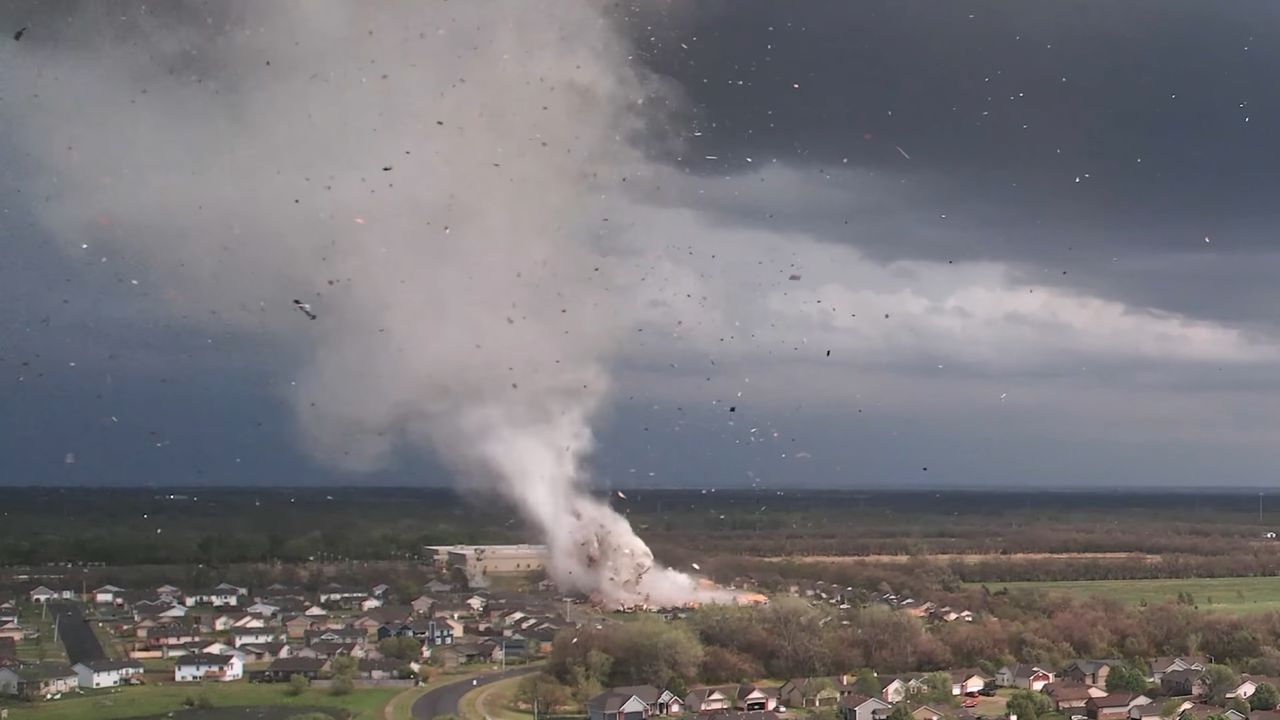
[{"x": 1035, "y": 239}]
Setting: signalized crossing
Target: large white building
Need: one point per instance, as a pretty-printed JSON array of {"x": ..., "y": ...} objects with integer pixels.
[
  {"x": 479, "y": 561},
  {"x": 202, "y": 666},
  {"x": 106, "y": 673}
]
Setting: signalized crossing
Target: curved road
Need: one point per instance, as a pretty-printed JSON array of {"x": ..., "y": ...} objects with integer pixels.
[{"x": 444, "y": 699}]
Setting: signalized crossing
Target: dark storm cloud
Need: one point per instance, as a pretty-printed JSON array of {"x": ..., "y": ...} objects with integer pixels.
[{"x": 1059, "y": 135}]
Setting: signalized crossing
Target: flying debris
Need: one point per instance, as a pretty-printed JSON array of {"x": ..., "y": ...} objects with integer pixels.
[
  {"x": 904, "y": 152},
  {"x": 624, "y": 497},
  {"x": 794, "y": 276},
  {"x": 694, "y": 566},
  {"x": 18, "y": 35},
  {"x": 305, "y": 308}
]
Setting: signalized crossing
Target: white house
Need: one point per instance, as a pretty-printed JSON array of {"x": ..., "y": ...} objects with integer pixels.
[
  {"x": 255, "y": 636},
  {"x": 370, "y": 603},
  {"x": 263, "y": 609},
  {"x": 202, "y": 666},
  {"x": 108, "y": 595},
  {"x": 228, "y": 587},
  {"x": 215, "y": 597},
  {"x": 106, "y": 673},
  {"x": 610, "y": 705},
  {"x": 43, "y": 594}
]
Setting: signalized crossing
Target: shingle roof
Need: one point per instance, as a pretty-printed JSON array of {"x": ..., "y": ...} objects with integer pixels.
[
  {"x": 297, "y": 664},
  {"x": 609, "y": 701}
]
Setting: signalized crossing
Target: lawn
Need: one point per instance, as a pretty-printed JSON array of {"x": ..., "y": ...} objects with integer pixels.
[
  {"x": 1235, "y": 595},
  {"x": 159, "y": 699}
]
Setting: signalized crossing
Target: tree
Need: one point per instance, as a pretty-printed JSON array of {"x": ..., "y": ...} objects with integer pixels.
[
  {"x": 1265, "y": 697},
  {"x": 938, "y": 689},
  {"x": 1170, "y": 709},
  {"x": 541, "y": 690},
  {"x": 867, "y": 683},
  {"x": 901, "y": 712},
  {"x": 400, "y": 648},
  {"x": 1218, "y": 681},
  {"x": 1123, "y": 677},
  {"x": 1029, "y": 705},
  {"x": 344, "y": 672},
  {"x": 297, "y": 685}
]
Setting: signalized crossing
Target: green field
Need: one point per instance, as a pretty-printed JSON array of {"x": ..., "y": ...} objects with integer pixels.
[
  {"x": 159, "y": 699},
  {"x": 1229, "y": 595}
]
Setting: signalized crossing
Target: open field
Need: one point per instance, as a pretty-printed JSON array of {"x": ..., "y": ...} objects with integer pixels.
[
  {"x": 968, "y": 557},
  {"x": 160, "y": 699},
  {"x": 1232, "y": 595}
]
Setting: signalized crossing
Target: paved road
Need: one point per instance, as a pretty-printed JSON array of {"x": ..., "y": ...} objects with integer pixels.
[{"x": 444, "y": 699}]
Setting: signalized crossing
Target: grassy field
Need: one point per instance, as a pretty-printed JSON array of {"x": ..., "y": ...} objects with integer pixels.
[
  {"x": 1230, "y": 595},
  {"x": 159, "y": 699}
]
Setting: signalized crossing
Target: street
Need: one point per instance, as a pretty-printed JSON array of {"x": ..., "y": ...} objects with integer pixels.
[{"x": 444, "y": 699}]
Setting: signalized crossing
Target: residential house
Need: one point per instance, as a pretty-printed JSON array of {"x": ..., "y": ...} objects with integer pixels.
[
  {"x": 967, "y": 681},
  {"x": 1026, "y": 677},
  {"x": 263, "y": 609},
  {"x": 330, "y": 650},
  {"x": 42, "y": 594},
  {"x": 379, "y": 590},
  {"x": 157, "y": 609},
  {"x": 8, "y": 611},
  {"x": 296, "y": 626},
  {"x": 1089, "y": 672},
  {"x": 335, "y": 594},
  {"x": 1182, "y": 682},
  {"x": 379, "y": 669},
  {"x": 751, "y": 698},
  {"x": 1114, "y": 705},
  {"x": 265, "y": 652},
  {"x": 108, "y": 595},
  {"x": 202, "y": 666},
  {"x": 924, "y": 712},
  {"x": 11, "y": 629},
  {"x": 1071, "y": 695},
  {"x": 170, "y": 590},
  {"x": 1162, "y": 665},
  {"x": 610, "y": 705},
  {"x": 438, "y": 586},
  {"x": 93, "y": 674},
  {"x": 220, "y": 596},
  {"x": 1249, "y": 685},
  {"x": 242, "y": 636},
  {"x": 36, "y": 680},
  {"x": 896, "y": 688},
  {"x": 339, "y": 635},
  {"x": 707, "y": 700},
  {"x": 810, "y": 692},
  {"x": 283, "y": 669},
  {"x": 860, "y": 707},
  {"x": 228, "y": 587},
  {"x": 421, "y": 605},
  {"x": 659, "y": 702},
  {"x": 1202, "y": 712},
  {"x": 170, "y": 635},
  {"x": 1155, "y": 710},
  {"x": 369, "y": 603},
  {"x": 475, "y": 602},
  {"x": 433, "y": 633}
]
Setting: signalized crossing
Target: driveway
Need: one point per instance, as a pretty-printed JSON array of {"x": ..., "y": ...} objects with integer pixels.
[{"x": 444, "y": 699}]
